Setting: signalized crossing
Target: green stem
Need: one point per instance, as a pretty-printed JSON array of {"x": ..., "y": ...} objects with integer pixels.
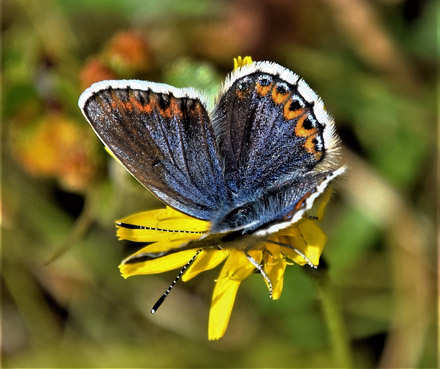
[
  {"x": 335, "y": 325},
  {"x": 80, "y": 227}
]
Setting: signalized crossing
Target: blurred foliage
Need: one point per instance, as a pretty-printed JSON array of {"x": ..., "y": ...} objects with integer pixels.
[{"x": 374, "y": 65}]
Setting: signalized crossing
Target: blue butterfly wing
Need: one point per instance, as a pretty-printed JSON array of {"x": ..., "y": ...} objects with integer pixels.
[
  {"x": 266, "y": 130},
  {"x": 164, "y": 137},
  {"x": 274, "y": 206},
  {"x": 275, "y": 149}
]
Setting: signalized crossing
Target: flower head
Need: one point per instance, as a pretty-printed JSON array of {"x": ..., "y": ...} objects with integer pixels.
[{"x": 171, "y": 234}]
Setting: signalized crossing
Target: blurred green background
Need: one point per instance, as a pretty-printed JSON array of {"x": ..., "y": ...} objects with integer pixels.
[{"x": 374, "y": 65}]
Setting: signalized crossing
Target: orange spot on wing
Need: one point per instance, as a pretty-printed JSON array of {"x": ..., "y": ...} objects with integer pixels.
[
  {"x": 197, "y": 110},
  {"x": 142, "y": 108},
  {"x": 263, "y": 90},
  {"x": 300, "y": 130},
  {"x": 200, "y": 109},
  {"x": 310, "y": 147},
  {"x": 292, "y": 114},
  {"x": 300, "y": 203},
  {"x": 278, "y": 97},
  {"x": 154, "y": 103},
  {"x": 173, "y": 110},
  {"x": 298, "y": 206},
  {"x": 241, "y": 94},
  {"x": 117, "y": 103}
]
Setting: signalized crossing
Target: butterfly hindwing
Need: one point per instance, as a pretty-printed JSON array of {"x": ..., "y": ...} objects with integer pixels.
[
  {"x": 284, "y": 204},
  {"x": 160, "y": 134}
]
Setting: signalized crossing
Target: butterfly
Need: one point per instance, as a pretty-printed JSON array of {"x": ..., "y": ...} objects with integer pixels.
[{"x": 252, "y": 166}]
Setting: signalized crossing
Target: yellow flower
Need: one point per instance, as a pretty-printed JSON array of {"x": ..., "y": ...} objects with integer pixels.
[{"x": 170, "y": 233}]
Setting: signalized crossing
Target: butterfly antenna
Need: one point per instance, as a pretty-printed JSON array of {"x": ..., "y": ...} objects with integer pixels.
[
  {"x": 257, "y": 265},
  {"x": 164, "y": 296},
  {"x": 294, "y": 249}
]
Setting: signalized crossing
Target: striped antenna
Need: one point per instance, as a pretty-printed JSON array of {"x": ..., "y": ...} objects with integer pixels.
[
  {"x": 164, "y": 296},
  {"x": 135, "y": 226}
]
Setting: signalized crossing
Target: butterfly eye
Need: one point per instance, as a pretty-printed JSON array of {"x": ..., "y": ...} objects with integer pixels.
[
  {"x": 264, "y": 80},
  {"x": 239, "y": 216}
]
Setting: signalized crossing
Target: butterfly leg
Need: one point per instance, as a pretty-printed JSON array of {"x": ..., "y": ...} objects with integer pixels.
[
  {"x": 257, "y": 265},
  {"x": 294, "y": 249}
]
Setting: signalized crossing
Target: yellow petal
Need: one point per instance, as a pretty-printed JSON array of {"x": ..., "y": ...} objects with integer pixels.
[
  {"x": 237, "y": 267},
  {"x": 222, "y": 303},
  {"x": 158, "y": 265},
  {"x": 162, "y": 225},
  {"x": 291, "y": 236},
  {"x": 239, "y": 61},
  {"x": 292, "y": 231},
  {"x": 291, "y": 253},
  {"x": 273, "y": 250},
  {"x": 322, "y": 201},
  {"x": 274, "y": 268},
  {"x": 206, "y": 260},
  {"x": 315, "y": 239},
  {"x": 255, "y": 254},
  {"x": 157, "y": 247},
  {"x": 307, "y": 237}
]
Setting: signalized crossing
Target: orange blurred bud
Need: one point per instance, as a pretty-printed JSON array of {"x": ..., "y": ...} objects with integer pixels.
[
  {"x": 95, "y": 71},
  {"x": 128, "y": 52},
  {"x": 56, "y": 146}
]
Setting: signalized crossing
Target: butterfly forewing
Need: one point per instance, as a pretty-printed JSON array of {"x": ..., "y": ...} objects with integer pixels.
[
  {"x": 266, "y": 131},
  {"x": 160, "y": 138}
]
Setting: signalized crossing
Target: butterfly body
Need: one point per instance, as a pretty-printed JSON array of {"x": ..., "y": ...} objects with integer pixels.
[{"x": 253, "y": 166}]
